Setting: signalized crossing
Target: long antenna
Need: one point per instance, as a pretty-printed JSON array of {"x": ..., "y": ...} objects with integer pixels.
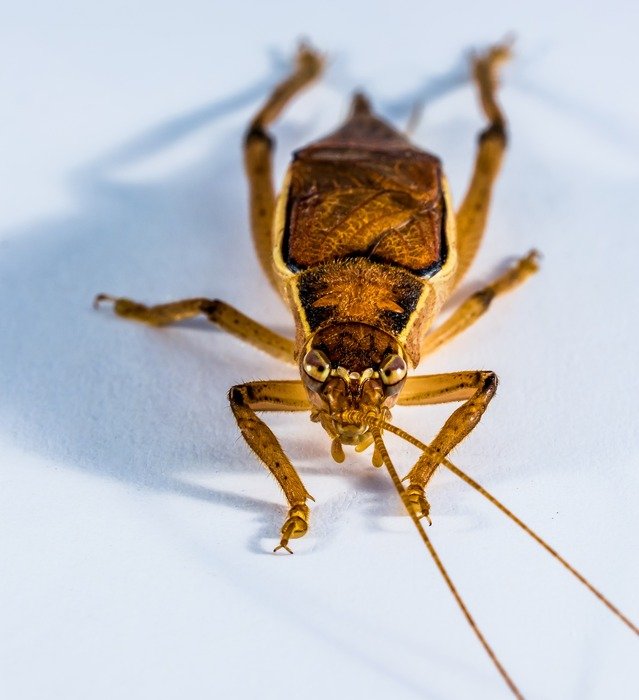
[
  {"x": 509, "y": 514},
  {"x": 381, "y": 448}
]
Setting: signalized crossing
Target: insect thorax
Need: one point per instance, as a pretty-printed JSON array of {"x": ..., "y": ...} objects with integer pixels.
[{"x": 363, "y": 294}]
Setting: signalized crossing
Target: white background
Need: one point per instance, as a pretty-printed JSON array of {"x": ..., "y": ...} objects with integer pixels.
[{"x": 136, "y": 527}]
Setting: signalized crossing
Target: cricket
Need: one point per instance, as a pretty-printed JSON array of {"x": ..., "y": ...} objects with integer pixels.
[{"x": 364, "y": 246}]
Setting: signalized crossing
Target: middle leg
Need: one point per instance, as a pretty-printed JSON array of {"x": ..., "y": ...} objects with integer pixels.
[
  {"x": 478, "y": 303},
  {"x": 218, "y": 312}
]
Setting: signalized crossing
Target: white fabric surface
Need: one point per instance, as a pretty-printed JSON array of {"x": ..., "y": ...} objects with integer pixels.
[{"x": 136, "y": 527}]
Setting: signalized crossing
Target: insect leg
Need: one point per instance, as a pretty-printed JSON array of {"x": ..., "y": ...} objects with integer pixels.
[
  {"x": 473, "y": 212},
  {"x": 476, "y": 389},
  {"x": 218, "y": 312},
  {"x": 245, "y": 400},
  {"x": 476, "y": 305},
  {"x": 258, "y": 148}
]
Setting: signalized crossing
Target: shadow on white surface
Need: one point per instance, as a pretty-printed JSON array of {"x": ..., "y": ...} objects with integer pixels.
[
  {"x": 148, "y": 408},
  {"x": 121, "y": 400}
]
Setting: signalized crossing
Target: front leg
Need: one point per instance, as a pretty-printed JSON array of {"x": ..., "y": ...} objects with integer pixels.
[
  {"x": 245, "y": 400},
  {"x": 476, "y": 389}
]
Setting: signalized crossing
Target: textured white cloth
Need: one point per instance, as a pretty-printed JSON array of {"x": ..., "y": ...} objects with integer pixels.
[{"x": 135, "y": 526}]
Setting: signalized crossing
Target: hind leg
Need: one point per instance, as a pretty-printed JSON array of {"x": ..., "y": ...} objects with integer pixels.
[
  {"x": 258, "y": 151},
  {"x": 473, "y": 212}
]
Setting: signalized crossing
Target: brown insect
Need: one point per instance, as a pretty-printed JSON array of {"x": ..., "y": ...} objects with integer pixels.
[{"x": 365, "y": 247}]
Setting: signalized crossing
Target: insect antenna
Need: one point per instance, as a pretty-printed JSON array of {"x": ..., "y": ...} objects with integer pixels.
[
  {"x": 381, "y": 448},
  {"x": 580, "y": 577},
  {"x": 509, "y": 514},
  {"x": 415, "y": 117}
]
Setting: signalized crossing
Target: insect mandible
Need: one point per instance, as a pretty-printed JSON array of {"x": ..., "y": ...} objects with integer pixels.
[{"x": 364, "y": 246}]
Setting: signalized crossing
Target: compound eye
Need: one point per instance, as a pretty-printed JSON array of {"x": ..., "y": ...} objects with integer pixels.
[
  {"x": 393, "y": 370},
  {"x": 316, "y": 365}
]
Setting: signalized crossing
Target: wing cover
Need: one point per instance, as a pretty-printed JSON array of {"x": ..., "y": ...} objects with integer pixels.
[{"x": 365, "y": 191}]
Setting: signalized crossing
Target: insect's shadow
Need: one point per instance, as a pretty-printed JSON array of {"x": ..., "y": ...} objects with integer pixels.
[
  {"x": 66, "y": 395},
  {"x": 268, "y": 517},
  {"x": 120, "y": 400},
  {"x": 434, "y": 87},
  {"x": 381, "y": 502}
]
